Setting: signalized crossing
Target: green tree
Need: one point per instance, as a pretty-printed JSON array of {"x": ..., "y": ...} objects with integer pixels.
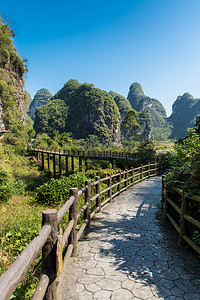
[{"x": 130, "y": 127}]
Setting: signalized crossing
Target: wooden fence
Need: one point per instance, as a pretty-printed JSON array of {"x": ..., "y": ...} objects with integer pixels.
[
  {"x": 182, "y": 211},
  {"x": 52, "y": 241},
  {"x": 62, "y": 164}
]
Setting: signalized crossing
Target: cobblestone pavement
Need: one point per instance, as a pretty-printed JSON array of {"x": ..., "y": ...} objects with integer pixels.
[{"x": 131, "y": 253}]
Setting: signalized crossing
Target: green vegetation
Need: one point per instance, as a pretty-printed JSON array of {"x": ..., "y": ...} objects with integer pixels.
[
  {"x": 130, "y": 127},
  {"x": 184, "y": 112},
  {"x": 41, "y": 98},
  {"x": 160, "y": 127},
  {"x": 82, "y": 110},
  {"x": 122, "y": 103}
]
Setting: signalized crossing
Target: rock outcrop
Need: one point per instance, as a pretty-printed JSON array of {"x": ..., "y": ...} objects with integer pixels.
[
  {"x": 41, "y": 98},
  {"x": 184, "y": 112},
  {"x": 140, "y": 102},
  {"x": 84, "y": 109}
]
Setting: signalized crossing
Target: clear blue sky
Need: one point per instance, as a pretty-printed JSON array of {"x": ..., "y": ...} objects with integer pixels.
[{"x": 110, "y": 43}]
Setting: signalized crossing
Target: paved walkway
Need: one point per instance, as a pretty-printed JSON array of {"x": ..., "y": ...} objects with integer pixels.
[{"x": 130, "y": 253}]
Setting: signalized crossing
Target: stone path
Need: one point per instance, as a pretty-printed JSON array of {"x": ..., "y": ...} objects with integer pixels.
[{"x": 131, "y": 253}]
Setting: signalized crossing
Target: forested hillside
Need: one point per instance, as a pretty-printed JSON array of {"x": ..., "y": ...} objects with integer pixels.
[
  {"x": 184, "y": 112},
  {"x": 140, "y": 102}
]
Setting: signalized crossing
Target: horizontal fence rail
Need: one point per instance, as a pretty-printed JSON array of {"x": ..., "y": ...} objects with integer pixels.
[
  {"x": 53, "y": 241},
  {"x": 180, "y": 210},
  {"x": 61, "y": 161}
]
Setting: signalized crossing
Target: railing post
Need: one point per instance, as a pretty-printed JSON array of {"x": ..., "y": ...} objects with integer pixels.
[
  {"x": 87, "y": 200},
  {"x": 98, "y": 200},
  {"x": 42, "y": 154},
  {"x": 183, "y": 223},
  {"x": 149, "y": 168},
  {"x": 126, "y": 176},
  {"x": 50, "y": 217},
  {"x": 163, "y": 190},
  {"x": 48, "y": 160},
  {"x": 132, "y": 172},
  {"x": 60, "y": 164},
  {"x": 66, "y": 165},
  {"x": 80, "y": 164},
  {"x": 38, "y": 158},
  {"x": 72, "y": 161},
  {"x": 54, "y": 165},
  {"x": 120, "y": 179},
  {"x": 166, "y": 208},
  {"x": 141, "y": 174},
  {"x": 109, "y": 185},
  {"x": 73, "y": 216}
]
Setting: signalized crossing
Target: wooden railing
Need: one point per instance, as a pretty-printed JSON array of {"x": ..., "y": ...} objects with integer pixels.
[
  {"x": 177, "y": 207},
  {"x": 52, "y": 241},
  {"x": 62, "y": 164}
]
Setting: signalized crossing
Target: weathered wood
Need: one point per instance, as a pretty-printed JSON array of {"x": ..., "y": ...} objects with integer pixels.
[
  {"x": 80, "y": 164},
  {"x": 173, "y": 222},
  {"x": 191, "y": 244},
  {"x": 67, "y": 232},
  {"x": 65, "y": 208},
  {"x": 98, "y": 200},
  {"x": 42, "y": 157},
  {"x": 41, "y": 286},
  {"x": 110, "y": 188},
  {"x": 126, "y": 176},
  {"x": 54, "y": 165},
  {"x": 73, "y": 216},
  {"x": 66, "y": 165},
  {"x": 48, "y": 162},
  {"x": 166, "y": 206},
  {"x": 60, "y": 165},
  {"x": 173, "y": 204},
  {"x": 87, "y": 200},
  {"x": 50, "y": 217},
  {"x": 72, "y": 163},
  {"x": 132, "y": 178},
  {"x": 141, "y": 174},
  {"x": 59, "y": 259},
  {"x": 192, "y": 220},
  {"x": 120, "y": 178},
  {"x": 12, "y": 277},
  {"x": 163, "y": 190},
  {"x": 183, "y": 223},
  {"x": 79, "y": 233}
]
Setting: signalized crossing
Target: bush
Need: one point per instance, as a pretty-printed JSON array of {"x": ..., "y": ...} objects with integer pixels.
[
  {"x": 57, "y": 190},
  {"x": 5, "y": 187}
]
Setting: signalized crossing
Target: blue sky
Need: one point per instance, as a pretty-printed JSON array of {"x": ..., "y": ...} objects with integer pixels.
[{"x": 110, "y": 43}]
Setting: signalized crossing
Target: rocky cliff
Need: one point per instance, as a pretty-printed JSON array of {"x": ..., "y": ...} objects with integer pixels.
[
  {"x": 140, "y": 102},
  {"x": 41, "y": 98},
  {"x": 13, "y": 100},
  {"x": 184, "y": 112},
  {"x": 82, "y": 110}
]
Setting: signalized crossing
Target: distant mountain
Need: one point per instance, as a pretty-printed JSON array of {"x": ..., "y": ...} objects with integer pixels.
[
  {"x": 122, "y": 103},
  {"x": 184, "y": 112},
  {"x": 41, "y": 98},
  {"x": 82, "y": 110},
  {"x": 140, "y": 102}
]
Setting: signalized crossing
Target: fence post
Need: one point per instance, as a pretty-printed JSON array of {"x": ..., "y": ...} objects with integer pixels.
[
  {"x": 72, "y": 161},
  {"x": 166, "y": 208},
  {"x": 73, "y": 216},
  {"x": 98, "y": 200},
  {"x": 87, "y": 200},
  {"x": 54, "y": 165},
  {"x": 60, "y": 164},
  {"x": 126, "y": 176},
  {"x": 183, "y": 223},
  {"x": 132, "y": 172},
  {"x": 50, "y": 217},
  {"x": 149, "y": 168},
  {"x": 120, "y": 179},
  {"x": 141, "y": 174},
  {"x": 110, "y": 189},
  {"x": 80, "y": 164},
  {"x": 42, "y": 154},
  {"x": 66, "y": 165},
  {"x": 163, "y": 190},
  {"x": 38, "y": 158},
  {"x": 48, "y": 159}
]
